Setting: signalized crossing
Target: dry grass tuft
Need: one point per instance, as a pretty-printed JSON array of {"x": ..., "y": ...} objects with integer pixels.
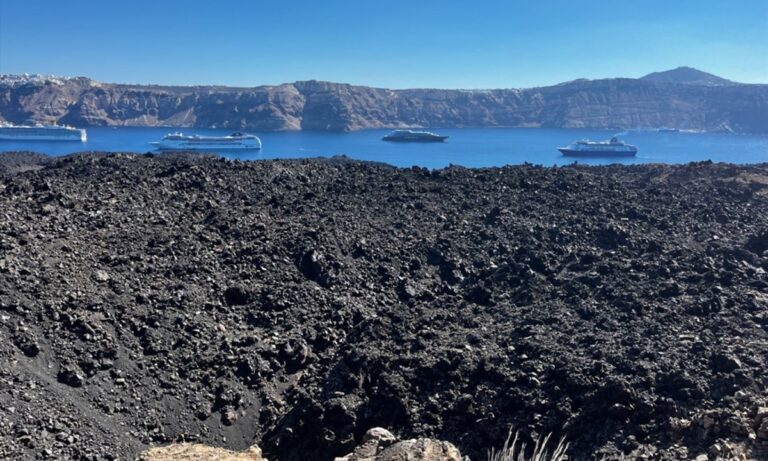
[{"x": 515, "y": 450}]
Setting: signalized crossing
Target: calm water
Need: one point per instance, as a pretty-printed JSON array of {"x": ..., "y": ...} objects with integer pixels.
[{"x": 468, "y": 147}]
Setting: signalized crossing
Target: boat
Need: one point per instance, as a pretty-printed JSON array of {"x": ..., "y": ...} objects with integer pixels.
[
  {"x": 413, "y": 136},
  {"x": 234, "y": 141},
  {"x": 612, "y": 148},
  {"x": 40, "y": 132}
]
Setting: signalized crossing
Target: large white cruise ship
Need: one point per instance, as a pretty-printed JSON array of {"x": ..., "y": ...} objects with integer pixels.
[
  {"x": 10, "y": 132},
  {"x": 612, "y": 148},
  {"x": 235, "y": 141}
]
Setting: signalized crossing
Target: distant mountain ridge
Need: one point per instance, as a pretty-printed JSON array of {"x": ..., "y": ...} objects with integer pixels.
[
  {"x": 687, "y": 76},
  {"x": 681, "y": 98}
]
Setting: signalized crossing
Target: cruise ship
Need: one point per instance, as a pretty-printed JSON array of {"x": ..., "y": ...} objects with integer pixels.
[
  {"x": 11, "y": 132},
  {"x": 234, "y": 141},
  {"x": 612, "y": 148},
  {"x": 413, "y": 136}
]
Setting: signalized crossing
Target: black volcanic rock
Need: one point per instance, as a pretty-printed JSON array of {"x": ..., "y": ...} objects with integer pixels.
[
  {"x": 296, "y": 304},
  {"x": 682, "y": 98}
]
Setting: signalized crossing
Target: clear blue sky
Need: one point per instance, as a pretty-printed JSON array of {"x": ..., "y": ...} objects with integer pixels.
[{"x": 387, "y": 43}]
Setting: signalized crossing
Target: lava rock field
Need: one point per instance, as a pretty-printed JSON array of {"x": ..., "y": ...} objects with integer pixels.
[{"x": 149, "y": 299}]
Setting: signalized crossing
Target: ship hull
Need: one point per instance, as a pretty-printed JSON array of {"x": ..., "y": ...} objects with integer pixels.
[
  {"x": 596, "y": 153},
  {"x": 75, "y": 136},
  {"x": 430, "y": 139},
  {"x": 204, "y": 147}
]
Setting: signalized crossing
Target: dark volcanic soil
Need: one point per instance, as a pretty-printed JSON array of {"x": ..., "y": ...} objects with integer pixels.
[{"x": 296, "y": 304}]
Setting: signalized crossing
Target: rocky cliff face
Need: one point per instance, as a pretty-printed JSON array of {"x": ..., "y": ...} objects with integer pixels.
[{"x": 312, "y": 105}]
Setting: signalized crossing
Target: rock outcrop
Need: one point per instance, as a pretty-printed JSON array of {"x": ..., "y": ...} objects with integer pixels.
[
  {"x": 380, "y": 445},
  {"x": 199, "y": 452},
  {"x": 684, "y": 99}
]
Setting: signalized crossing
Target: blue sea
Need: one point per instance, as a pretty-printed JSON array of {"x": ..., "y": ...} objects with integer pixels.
[{"x": 471, "y": 147}]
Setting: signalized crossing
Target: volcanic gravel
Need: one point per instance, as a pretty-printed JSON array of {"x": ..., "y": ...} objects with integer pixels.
[{"x": 295, "y": 304}]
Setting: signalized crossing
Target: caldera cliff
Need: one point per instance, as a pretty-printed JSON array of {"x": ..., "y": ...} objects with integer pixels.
[{"x": 682, "y": 98}]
